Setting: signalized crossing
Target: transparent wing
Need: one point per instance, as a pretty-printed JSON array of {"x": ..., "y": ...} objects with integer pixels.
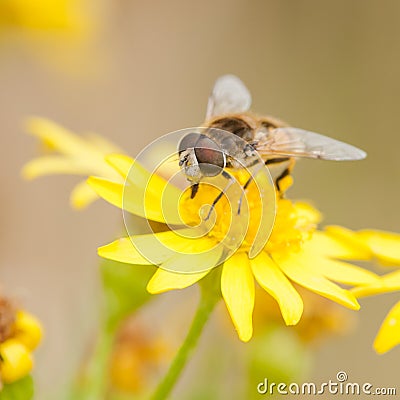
[
  {"x": 294, "y": 142},
  {"x": 229, "y": 95}
]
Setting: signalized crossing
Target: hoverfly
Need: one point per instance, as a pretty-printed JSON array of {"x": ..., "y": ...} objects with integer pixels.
[{"x": 208, "y": 153}]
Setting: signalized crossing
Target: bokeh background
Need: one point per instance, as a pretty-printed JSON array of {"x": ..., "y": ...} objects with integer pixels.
[{"x": 132, "y": 71}]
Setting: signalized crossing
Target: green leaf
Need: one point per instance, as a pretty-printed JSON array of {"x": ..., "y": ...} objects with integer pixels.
[
  {"x": 124, "y": 289},
  {"x": 20, "y": 390}
]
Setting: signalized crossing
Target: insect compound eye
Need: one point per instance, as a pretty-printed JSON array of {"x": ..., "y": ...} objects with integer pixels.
[
  {"x": 210, "y": 156},
  {"x": 189, "y": 141}
]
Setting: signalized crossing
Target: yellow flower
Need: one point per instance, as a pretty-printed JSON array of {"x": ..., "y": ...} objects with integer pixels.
[
  {"x": 321, "y": 319},
  {"x": 138, "y": 356},
  {"x": 58, "y": 33},
  {"x": 44, "y": 15},
  {"x": 27, "y": 330},
  {"x": 296, "y": 251},
  {"x": 20, "y": 333},
  {"x": 76, "y": 156},
  {"x": 385, "y": 248},
  {"x": 16, "y": 361}
]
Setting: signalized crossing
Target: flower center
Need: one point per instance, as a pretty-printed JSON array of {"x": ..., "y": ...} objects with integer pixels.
[
  {"x": 294, "y": 222},
  {"x": 221, "y": 210},
  {"x": 7, "y": 319}
]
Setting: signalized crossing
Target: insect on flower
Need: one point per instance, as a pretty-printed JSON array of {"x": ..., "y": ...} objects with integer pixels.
[
  {"x": 274, "y": 242},
  {"x": 207, "y": 154}
]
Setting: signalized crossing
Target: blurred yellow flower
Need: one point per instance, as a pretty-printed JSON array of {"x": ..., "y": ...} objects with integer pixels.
[
  {"x": 321, "y": 319},
  {"x": 20, "y": 333},
  {"x": 139, "y": 355},
  {"x": 64, "y": 16},
  {"x": 59, "y": 33},
  {"x": 72, "y": 155},
  {"x": 385, "y": 248}
]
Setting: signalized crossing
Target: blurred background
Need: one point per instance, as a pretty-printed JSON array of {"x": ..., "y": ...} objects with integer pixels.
[{"x": 132, "y": 71}]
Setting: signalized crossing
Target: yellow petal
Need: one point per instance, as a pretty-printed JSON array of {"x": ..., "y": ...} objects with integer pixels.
[
  {"x": 385, "y": 284},
  {"x": 82, "y": 195},
  {"x": 237, "y": 286},
  {"x": 178, "y": 253},
  {"x": 155, "y": 208},
  {"x": 157, "y": 248},
  {"x": 271, "y": 279},
  {"x": 55, "y": 165},
  {"x": 78, "y": 155},
  {"x": 56, "y": 136},
  {"x": 332, "y": 246},
  {"x": 389, "y": 333},
  {"x": 384, "y": 245},
  {"x": 199, "y": 261},
  {"x": 350, "y": 239},
  {"x": 28, "y": 330},
  {"x": 140, "y": 177},
  {"x": 163, "y": 281},
  {"x": 298, "y": 267},
  {"x": 136, "y": 174},
  {"x": 342, "y": 272},
  {"x": 108, "y": 190},
  {"x": 121, "y": 163},
  {"x": 123, "y": 197},
  {"x": 122, "y": 250},
  {"x": 16, "y": 361}
]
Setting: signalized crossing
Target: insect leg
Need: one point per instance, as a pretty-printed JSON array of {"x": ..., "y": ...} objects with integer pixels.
[
  {"x": 195, "y": 189},
  {"x": 254, "y": 173},
  {"x": 245, "y": 186},
  {"x": 284, "y": 173},
  {"x": 276, "y": 160},
  {"x": 218, "y": 198}
]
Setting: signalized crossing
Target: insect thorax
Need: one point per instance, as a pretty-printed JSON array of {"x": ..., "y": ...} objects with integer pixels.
[{"x": 247, "y": 127}]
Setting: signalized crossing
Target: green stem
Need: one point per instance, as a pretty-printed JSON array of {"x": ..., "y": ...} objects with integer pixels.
[
  {"x": 207, "y": 303},
  {"x": 97, "y": 369},
  {"x": 93, "y": 383}
]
